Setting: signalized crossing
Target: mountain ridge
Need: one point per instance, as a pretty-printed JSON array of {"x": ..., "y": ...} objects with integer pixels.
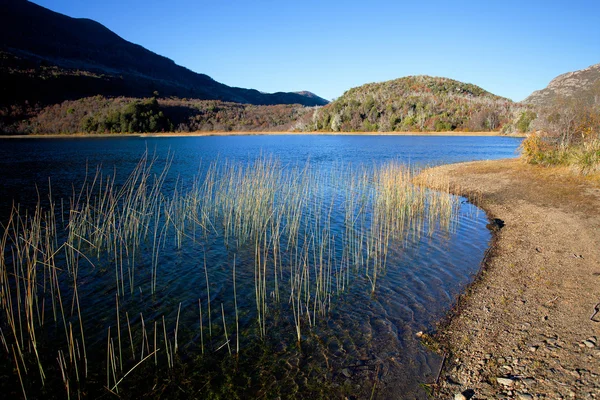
[
  {"x": 578, "y": 85},
  {"x": 45, "y": 38}
]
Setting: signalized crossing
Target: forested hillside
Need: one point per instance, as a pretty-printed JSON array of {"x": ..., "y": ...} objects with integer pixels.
[
  {"x": 417, "y": 103},
  {"x": 100, "y": 114}
]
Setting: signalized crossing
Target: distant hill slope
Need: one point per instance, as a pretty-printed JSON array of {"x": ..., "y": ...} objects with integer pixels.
[
  {"x": 48, "y": 57},
  {"x": 581, "y": 85},
  {"x": 99, "y": 114},
  {"x": 415, "y": 103}
]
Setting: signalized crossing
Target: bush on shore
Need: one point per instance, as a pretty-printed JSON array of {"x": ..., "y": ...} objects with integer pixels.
[
  {"x": 567, "y": 133},
  {"x": 583, "y": 157}
]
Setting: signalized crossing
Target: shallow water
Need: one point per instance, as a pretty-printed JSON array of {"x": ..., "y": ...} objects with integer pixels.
[{"x": 365, "y": 341}]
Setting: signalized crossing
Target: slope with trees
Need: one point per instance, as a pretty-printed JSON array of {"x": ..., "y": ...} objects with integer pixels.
[
  {"x": 567, "y": 124},
  {"x": 416, "y": 103},
  {"x": 99, "y": 114}
]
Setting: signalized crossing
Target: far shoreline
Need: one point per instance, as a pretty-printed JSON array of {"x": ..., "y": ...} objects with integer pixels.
[{"x": 255, "y": 133}]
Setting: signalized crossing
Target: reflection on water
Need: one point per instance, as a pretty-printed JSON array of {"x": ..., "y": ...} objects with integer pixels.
[{"x": 314, "y": 277}]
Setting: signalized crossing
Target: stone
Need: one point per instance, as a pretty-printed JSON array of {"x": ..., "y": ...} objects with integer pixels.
[
  {"x": 589, "y": 344},
  {"x": 524, "y": 396},
  {"x": 460, "y": 396},
  {"x": 346, "y": 373},
  {"x": 505, "y": 381}
]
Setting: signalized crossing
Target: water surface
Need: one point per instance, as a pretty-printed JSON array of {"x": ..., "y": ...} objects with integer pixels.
[{"x": 366, "y": 340}]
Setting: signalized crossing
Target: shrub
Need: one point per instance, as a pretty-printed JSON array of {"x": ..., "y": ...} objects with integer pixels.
[
  {"x": 137, "y": 116},
  {"x": 583, "y": 158},
  {"x": 524, "y": 121},
  {"x": 443, "y": 126}
]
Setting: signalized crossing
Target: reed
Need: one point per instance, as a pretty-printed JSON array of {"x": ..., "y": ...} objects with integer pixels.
[{"x": 302, "y": 234}]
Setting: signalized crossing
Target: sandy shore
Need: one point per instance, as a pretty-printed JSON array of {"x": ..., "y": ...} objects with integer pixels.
[
  {"x": 251, "y": 133},
  {"x": 524, "y": 328}
]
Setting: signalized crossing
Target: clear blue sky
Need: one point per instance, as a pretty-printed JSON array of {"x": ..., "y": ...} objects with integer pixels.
[{"x": 507, "y": 47}]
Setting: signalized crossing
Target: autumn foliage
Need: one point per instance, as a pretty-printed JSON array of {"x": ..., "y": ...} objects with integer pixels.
[
  {"x": 101, "y": 114},
  {"x": 415, "y": 103}
]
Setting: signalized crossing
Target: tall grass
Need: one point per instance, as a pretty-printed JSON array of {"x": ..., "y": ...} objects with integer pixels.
[{"x": 300, "y": 237}]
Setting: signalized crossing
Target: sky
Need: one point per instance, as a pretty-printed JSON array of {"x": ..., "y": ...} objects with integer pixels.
[{"x": 509, "y": 48}]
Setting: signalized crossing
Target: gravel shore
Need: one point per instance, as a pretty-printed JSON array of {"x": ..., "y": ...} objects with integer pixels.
[{"x": 526, "y": 329}]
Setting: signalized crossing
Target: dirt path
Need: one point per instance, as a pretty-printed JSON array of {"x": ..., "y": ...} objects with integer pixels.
[{"x": 523, "y": 329}]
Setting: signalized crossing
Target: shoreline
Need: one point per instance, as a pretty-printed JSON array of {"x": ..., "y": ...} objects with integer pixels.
[
  {"x": 252, "y": 133},
  {"x": 523, "y": 329}
]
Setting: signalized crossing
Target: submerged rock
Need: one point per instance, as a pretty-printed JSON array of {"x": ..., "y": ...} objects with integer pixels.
[{"x": 495, "y": 224}]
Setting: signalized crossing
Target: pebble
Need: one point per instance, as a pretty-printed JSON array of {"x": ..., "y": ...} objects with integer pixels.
[
  {"x": 525, "y": 396},
  {"x": 533, "y": 349},
  {"x": 346, "y": 373},
  {"x": 589, "y": 344},
  {"x": 505, "y": 381},
  {"x": 459, "y": 396},
  {"x": 529, "y": 381}
]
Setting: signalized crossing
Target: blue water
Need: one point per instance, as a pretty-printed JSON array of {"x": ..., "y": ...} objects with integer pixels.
[
  {"x": 369, "y": 337},
  {"x": 25, "y": 163}
]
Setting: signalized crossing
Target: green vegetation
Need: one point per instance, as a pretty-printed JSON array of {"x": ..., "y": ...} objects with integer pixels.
[
  {"x": 137, "y": 116},
  {"x": 415, "y": 103},
  {"x": 524, "y": 121}
]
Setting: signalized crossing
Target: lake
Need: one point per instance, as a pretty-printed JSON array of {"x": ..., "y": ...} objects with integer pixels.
[{"x": 248, "y": 266}]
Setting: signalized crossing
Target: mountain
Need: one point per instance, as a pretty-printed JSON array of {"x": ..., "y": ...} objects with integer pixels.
[
  {"x": 582, "y": 85},
  {"x": 48, "y": 57},
  {"x": 414, "y": 103}
]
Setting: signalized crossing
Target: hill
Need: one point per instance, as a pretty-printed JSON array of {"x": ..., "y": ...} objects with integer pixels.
[
  {"x": 47, "y": 57},
  {"x": 568, "y": 119},
  {"x": 415, "y": 103},
  {"x": 582, "y": 85},
  {"x": 100, "y": 114}
]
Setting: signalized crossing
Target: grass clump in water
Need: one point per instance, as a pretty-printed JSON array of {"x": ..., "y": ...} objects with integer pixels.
[{"x": 283, "y": 244}]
